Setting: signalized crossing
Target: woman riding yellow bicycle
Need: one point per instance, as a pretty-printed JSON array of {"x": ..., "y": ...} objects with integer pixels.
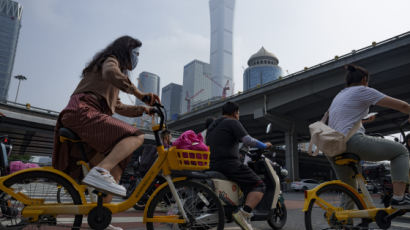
[
  {"x": 351, "y": 105},
  {"x": 336, "y": 204},
  {"x": 29, "y": 197}
]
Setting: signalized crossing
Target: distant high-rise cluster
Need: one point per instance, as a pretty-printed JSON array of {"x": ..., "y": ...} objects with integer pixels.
[
  {"x": 263, "y": 68},
  {"x": 10, "y": 21},
  {"x": 203, "y": 81}
]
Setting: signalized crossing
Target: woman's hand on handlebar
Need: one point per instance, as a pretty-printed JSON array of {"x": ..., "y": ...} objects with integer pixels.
[
  {"x": 150, "y": 110},
  {"x": 268, "y": 145},
  {"x": 150, "y": 98}
]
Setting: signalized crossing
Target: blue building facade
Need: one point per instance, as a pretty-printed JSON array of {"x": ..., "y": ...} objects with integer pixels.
[
  {"x": 263, "y": 68},
  {"x": 10, "y": 24}
]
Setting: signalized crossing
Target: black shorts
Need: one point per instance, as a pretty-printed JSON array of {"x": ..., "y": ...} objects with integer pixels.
[{"x": 244, "y": 176}]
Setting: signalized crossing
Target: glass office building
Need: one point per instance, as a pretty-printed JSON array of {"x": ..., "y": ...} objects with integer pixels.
[
  {"x": 263, "y": 68},
  {"x": 10, "y": 24},
  {"x": 197, "y": 84},
  {"x": 147, "y": 83},
  {"x": 221, "y": 60},
  {"x": 171, "y": 99}
]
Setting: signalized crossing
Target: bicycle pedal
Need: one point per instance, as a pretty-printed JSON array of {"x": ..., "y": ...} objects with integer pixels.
[{"x": 99, "y": 193}]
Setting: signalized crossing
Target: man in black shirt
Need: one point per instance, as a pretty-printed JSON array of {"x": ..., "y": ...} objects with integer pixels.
[{"x": 223, "y": 137}]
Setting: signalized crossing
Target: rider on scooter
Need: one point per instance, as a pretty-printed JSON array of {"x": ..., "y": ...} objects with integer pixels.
[{"x": 223, "y": 137}]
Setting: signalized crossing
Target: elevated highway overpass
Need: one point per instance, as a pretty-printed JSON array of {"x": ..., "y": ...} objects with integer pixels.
[{"x": 301, "y": 98}]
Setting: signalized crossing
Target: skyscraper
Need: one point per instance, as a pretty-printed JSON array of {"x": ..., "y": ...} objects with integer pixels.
[
  {"x": 147, "y": 83},
  {"x": 263, "y": 68},
  {"x": 171, "y": 99},
  {"x": 196, "y": 87},
  {"x": 222, "y": 13},
  {"x": 10, "y": 21}
]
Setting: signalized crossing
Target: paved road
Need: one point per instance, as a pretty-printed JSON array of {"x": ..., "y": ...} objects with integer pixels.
[
  {"x": 132, "y": 219},
  {"x": 294, "y": 204}
]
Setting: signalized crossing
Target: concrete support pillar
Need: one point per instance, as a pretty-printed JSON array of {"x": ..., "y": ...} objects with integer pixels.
[
  {"x": 292, "y": 155},
  {"x": 291, "y": 142}
]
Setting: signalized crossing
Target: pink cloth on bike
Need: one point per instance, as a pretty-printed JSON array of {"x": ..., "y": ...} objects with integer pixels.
[{"x": 190, "y": 140}]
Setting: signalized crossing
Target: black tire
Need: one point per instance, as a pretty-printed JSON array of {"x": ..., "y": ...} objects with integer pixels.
[
  {"x": 43, "y": 185},
  {"x": 59, "y": 194},
  {"x": 139, "y": 207},
  {"x": 315, "y": 215},
  {"x": 277, "y": 217},
  {"x": 204, "y": 205},
  {"x": 304, "y": 188}
]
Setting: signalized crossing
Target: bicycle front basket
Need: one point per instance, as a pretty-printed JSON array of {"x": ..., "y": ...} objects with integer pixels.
[{"x": 184, "y": 159}]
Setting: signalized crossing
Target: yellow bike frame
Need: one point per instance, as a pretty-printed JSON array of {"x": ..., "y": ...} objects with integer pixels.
[
  {"x": 36, "y": 207},
  {"x": 342, "y": 215}
]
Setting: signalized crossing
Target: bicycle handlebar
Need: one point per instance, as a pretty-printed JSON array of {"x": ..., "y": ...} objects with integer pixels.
[
  {"x": 158, "y": 110},
  {"x": 253, "y": 154}
]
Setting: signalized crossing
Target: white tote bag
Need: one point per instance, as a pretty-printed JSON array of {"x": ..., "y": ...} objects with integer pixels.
[{"x": 328, "y": 140}]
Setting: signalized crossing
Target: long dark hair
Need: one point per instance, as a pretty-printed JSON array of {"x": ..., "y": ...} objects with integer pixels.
[
  {"x": 120, "y": 49},
  {"x": 355, "y": 74}
]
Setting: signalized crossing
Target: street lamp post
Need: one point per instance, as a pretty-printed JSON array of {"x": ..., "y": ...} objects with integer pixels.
[{"x": 20, "y": 78}]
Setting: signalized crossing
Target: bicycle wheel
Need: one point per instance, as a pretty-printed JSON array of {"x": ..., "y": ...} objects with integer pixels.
[
  {"x": 38, "y": 185},
  {"x": 338, "y": 196},
  {"x": 277, "y": 217},
  {"x": 201, "y": 205}
]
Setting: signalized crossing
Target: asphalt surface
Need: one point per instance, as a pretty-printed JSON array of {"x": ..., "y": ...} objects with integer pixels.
[{"x": 295, "y": 220}]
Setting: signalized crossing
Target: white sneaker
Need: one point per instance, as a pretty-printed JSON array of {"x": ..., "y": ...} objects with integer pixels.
[
  {"x": 243, "y": 219},
  {"x": 104, "y": 182},
  {"x": 112, "y": 227}
]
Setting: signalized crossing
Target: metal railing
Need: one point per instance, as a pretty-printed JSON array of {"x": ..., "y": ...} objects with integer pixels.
[{"x": 29, "y": 107}]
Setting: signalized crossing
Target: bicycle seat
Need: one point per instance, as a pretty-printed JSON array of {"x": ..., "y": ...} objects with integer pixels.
[
  {"x": 68, "y": 135},
  {"x": 216, "y": 175},
  {"x": 190, "y": 174},
  {"x": 346, "y": 158}
]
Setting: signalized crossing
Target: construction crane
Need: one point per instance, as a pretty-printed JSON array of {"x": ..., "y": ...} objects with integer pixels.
[
  {"x": 224, "y": 88},
  {"x": 188, "y": 99}
]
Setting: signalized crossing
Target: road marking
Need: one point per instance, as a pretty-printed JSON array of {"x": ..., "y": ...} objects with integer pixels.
[
  {"x": 400, "y": 225},
  {"x": 137, "y": 219}
]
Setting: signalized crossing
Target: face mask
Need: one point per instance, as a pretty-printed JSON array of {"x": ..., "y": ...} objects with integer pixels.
[{"x": 134, "y": 57}]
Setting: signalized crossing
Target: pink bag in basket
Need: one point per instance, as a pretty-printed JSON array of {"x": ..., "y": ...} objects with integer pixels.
[{"x": 190, "y": 140}]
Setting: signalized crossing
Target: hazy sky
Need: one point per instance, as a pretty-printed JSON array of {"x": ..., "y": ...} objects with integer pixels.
[{"x": 58, "y": 37}]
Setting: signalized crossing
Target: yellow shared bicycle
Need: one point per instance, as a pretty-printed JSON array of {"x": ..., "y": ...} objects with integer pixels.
[
  {"x": 336, "y": 205},
  {"x": 28, "y": 198}
]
